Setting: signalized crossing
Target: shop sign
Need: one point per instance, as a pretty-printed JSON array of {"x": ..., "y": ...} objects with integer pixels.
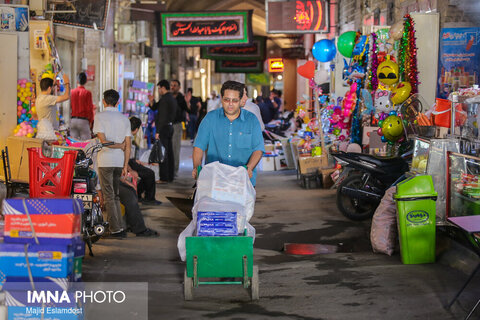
[
  {"x": 285, "y": 16},
  {"x": 254, "y": 51},
  {"x": 205, "y": 28},
  {"x": 275, "y": 65},
  {"x": 262, "y": 79},
  {"x": 90, "y": 14},
  {"x": 459, "y": 60},
  {"x": 90, "y": 72},
  {"x": 13, "y": 18},
  {"x": 238, "y": 66}
]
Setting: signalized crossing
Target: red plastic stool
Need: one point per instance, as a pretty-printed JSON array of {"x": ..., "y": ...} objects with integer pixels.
[{"x": 46, "y": 180}]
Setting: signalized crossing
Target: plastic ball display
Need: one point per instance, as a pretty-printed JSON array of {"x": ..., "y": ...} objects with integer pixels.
[
  {"x": 25, "y": 100},
  {"x": 387, "y": 72},
  {"x": 324, "y": 50},
  {"x": 392, "y": 128},
  {"x": 401, "y": 92}
]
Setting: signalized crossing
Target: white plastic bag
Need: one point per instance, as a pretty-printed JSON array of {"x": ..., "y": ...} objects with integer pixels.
[
  {"x": 383, "y": 235},
  {"x": 222, "y": 182}
]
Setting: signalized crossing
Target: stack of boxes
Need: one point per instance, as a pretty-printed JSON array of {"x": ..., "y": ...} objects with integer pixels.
[{"x": 53, "y": 262}]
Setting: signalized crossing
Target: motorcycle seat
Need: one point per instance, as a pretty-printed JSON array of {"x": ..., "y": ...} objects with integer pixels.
[{"x": 392, "y": 163}]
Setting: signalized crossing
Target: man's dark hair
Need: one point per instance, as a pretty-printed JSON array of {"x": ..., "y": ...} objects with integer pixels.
[
  {"x": 232, "y": 85},
  {"x": 46, "y": 83},
  {"x": 178, "y": 82},
  {"x": 82, "y": 78},
  {"x": 164, "y": 83},
  {"x": 111, "y": 97},
  {"x": 190, "y": 90},
  {"x": 135, "y": 123}
]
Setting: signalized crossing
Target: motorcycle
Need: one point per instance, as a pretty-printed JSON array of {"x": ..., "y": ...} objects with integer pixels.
[
  {"x": 364, "y": 181},
  {"x": 84, "y": 188}
]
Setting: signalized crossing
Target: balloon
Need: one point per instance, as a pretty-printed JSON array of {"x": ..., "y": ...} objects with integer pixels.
[
  {"x": 324, "y": 50},
  {"x": 401, "y": 92},
  {"x": 393, "y": 113},
  {"x": 379, "y": 131},
  {"x": 346, "y": 43},
  {"x": 387, "y": 72},
  {"x": 392, "y": 128},
  {"x": 384, "y": 139},
  {"x": 396, "y": 31},
  {"x": 307, "y": 70}
]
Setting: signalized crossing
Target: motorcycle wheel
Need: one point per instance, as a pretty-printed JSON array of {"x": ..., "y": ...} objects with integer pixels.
[{"x": 353, "y": 208}]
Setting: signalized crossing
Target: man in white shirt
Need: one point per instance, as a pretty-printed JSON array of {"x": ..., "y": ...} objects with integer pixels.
[
  {"x": 46, "y": 101},
  {"x": 248, "y": 105},
  {"x": 214, "y": 102},
  {"x": 112, "y": 126}
]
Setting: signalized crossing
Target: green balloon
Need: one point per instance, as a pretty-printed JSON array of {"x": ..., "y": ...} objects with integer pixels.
[
  {"x": 29, "y": 115},
  {"x": 346, "y": 43}
]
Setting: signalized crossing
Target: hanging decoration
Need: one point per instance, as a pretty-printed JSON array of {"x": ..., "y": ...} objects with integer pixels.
[
  {"x": 374, "y": 65},
  {"x": 408, "y": 54}
]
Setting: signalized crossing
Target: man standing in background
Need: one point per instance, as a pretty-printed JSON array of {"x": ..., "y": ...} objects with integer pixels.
[
  {"x": 182, "y": 115},
  {"x": 248, "y": 105},
  {"x": 167, "y": 111},
  {"x": 82, "y": 110},
  {"x": 193, "y": 105}
]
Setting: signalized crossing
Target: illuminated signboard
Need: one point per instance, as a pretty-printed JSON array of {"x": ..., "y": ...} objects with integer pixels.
[
  {"x": 275, "y": 65},
  {"x": 238, "y": 66},
  {"x": 254, "y": 51},
  {"x": 198, "y": 29},
  {"x": 297, "y": 16}
]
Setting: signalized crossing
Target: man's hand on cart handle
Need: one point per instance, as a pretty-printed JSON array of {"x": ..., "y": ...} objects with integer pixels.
[
  {"x": 196, "y": 172},
  {"x": 249, "y": 171}
]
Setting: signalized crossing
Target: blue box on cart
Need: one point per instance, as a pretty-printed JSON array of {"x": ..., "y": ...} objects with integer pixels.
[{"x": 210, "y": 223}]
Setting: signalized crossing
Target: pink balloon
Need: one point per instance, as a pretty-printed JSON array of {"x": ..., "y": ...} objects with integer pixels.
[{"x": 379, "y": 131}]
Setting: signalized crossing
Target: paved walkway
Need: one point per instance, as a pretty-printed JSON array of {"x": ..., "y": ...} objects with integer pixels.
[{"x": 353, "y": 283}]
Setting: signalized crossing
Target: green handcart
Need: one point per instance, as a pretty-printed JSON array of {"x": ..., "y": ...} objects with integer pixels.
[{"x": 220, "y": 257}]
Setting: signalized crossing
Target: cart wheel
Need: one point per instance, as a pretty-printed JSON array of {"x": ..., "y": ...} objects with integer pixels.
[
  {"x": 187, "y": 287},
  {"x": 254, "y": 285}
]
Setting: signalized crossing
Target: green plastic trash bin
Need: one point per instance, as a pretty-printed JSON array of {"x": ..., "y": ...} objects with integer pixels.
[{"x": 416, "y": 219}]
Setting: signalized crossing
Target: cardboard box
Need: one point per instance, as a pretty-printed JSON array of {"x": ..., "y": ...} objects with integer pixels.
[
  {"x": 281, "y": 162},
  {"x": 46, "y": 260},
  {"x": 18, "y": 156},
  {"x": 312, "y": 164},
  {"x": 327, "y": 180},
  {"x": 54, "y": 220},
  {"x": 268, "y": 163}
]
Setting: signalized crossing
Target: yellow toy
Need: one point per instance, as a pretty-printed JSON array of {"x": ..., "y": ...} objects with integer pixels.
[{"x": 387, "y": 72}]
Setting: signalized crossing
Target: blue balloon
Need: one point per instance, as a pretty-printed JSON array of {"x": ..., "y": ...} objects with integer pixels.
[
  {"x": 384, "y": 139},
  {"x": 393, "y": 113},
  {"x": 324, "y": 50}
]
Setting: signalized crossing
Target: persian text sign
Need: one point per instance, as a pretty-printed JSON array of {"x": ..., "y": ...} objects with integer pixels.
[
  {"x": 238, "y": 66},
  {"x": 205, "y": 28},
  {"x": 254, "y": 51},
  {"x": 297, "y": 16}
]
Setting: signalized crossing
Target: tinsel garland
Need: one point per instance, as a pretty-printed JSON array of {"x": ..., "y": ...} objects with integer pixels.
[
  {"x": 355, "y": 136},
  {"x": 408, "y": 54},
  {"x": 374, "y": 64}
]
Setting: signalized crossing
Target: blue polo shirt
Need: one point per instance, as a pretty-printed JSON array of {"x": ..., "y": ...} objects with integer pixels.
[{"x": 230, "y": 142}]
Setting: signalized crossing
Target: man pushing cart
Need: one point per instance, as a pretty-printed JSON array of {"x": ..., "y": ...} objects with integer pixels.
[{"x": 225, "y": 198}]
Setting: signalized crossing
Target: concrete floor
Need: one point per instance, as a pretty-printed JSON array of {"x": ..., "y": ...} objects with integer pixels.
[{"x": 353, "y": 283}]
